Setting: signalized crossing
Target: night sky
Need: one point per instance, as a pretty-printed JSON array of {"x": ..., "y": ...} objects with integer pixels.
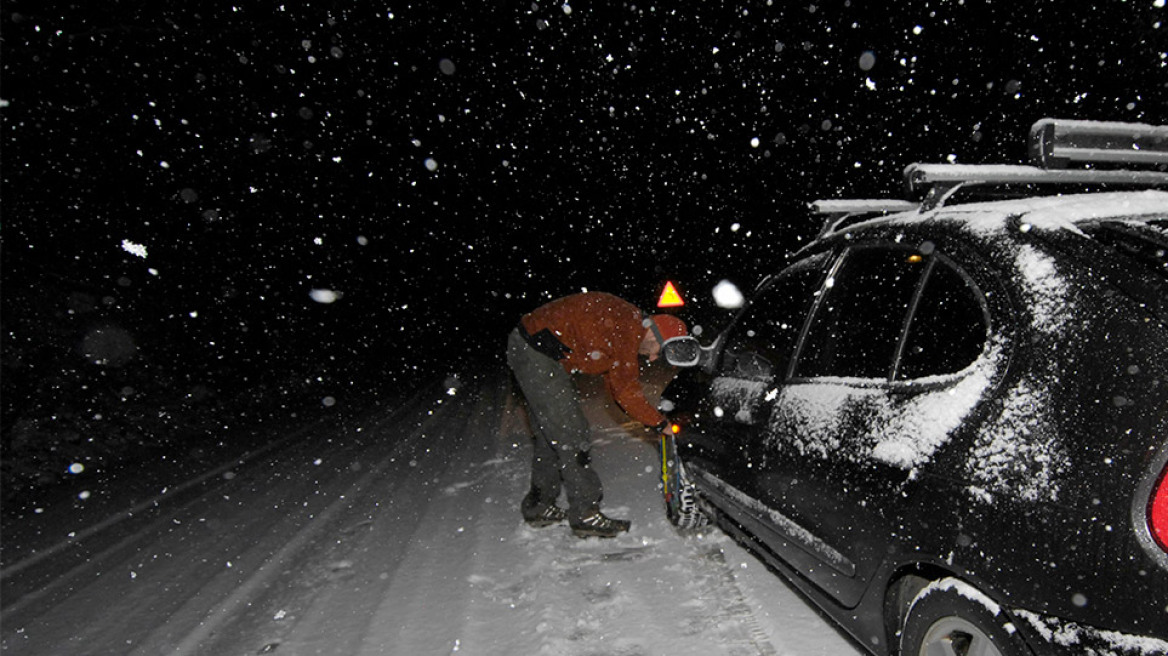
[{"x": 444, "y": 167}]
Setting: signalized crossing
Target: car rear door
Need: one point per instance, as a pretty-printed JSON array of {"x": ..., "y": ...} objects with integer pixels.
[{"x": 884, "y": 377}]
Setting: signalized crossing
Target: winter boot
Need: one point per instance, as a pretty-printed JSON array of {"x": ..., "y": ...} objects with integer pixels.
[
  {"x": 546, "y": 516},
  {"x": 599, "y": 526}
]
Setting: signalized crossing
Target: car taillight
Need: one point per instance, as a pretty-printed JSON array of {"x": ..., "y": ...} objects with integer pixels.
[{"x": 1158, "y": 511}]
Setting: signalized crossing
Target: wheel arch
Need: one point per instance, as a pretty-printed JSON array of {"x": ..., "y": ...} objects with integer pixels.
[
  {"x": 908, "y": 580},
  {"x": 903, "y": 586}
]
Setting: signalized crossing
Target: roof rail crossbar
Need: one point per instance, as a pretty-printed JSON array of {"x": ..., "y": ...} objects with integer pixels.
[
  {"x": 921, "y": 177},
  {"x": 862, "y": 205},
  {"x": 940, "y": 193},
  {"x": 839, "y": 211},
  {"x": 1056, "y": 143}
]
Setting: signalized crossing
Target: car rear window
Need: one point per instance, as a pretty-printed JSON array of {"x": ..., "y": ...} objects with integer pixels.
[{"x": 949, "y": 326}]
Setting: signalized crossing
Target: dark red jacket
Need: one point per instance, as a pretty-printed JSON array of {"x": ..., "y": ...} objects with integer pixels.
[{"x": 604, "y": 334}]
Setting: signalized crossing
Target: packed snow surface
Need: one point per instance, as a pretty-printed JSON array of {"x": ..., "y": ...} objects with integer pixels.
[{"x": 398, "y": 532}]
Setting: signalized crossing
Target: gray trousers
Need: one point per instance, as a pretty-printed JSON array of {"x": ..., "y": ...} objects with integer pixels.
[{"x": 561, "y": 434}]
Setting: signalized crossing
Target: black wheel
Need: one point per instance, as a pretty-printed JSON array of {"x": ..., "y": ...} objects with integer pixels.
[
  {"x": 952, "y": 618},
  {"x": 681, "y": 497}
]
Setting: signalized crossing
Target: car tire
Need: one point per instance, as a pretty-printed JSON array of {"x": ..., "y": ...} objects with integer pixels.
[
  {"x": 685, "y": 513},
  {"x": 951, "y": 617},
  {"x": 682, "y": 500}
]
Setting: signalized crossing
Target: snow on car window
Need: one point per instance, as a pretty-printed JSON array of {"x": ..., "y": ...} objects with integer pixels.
[
  {"x": 899, "y": 430},
  {"x": 855, "y": 420},
  {"x": 737, "y": 397}
]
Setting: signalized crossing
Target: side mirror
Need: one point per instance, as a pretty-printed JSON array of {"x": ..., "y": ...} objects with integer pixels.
[{"x": 682, "y": 351}]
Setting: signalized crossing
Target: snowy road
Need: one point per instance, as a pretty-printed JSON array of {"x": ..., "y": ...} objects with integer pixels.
[{"x": 398, "y": 533}]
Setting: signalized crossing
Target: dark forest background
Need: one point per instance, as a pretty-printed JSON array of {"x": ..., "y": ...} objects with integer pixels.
[{"x": 338, "y": 201}]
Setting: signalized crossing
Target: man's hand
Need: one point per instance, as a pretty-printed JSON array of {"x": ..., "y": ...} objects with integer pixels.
[{"x": 635, "y": 427}]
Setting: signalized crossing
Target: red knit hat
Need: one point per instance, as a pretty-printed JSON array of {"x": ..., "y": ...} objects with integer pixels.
[{"x": 668, "y": 327}]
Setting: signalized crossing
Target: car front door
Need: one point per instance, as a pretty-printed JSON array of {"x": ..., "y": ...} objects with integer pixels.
[{"x": 725, "y": 439}]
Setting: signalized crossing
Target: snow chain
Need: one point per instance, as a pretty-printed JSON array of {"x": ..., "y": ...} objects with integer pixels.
[{"x": 681, "y": 498}]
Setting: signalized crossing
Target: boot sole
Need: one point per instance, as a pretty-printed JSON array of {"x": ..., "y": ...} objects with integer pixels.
[{"x": 591, "y": 533}]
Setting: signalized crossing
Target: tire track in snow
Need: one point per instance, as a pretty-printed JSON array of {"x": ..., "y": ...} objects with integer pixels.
[
  {"x": 366, "y": 565},
  {"x": 425, "y": 608},
  {"x": 733, "y": 602},
  {"x": 425, "y": 533},
  {"x": 244, "y": 595},
  {"x": 172, "y": 500},
  {"x": 562, "y": 596}
]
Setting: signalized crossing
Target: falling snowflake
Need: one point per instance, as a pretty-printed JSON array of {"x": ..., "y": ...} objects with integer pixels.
[
  {"x": 324, "y": 295},
  {"x": 134, "y": 249}
]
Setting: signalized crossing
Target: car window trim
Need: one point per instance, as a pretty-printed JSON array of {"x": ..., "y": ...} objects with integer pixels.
[
  {"x": 911, "y": 313},
  {"x": 820, "y": 294}
]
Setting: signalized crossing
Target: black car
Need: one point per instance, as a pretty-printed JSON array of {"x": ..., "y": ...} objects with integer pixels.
[{"x": 947, "y": 424}]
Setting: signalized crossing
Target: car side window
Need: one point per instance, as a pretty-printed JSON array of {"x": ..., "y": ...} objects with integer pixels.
[
  {"x": 949, "y": 327},
  {"x": 858, "y": 323},
  {"x": 759, "y": 345}
]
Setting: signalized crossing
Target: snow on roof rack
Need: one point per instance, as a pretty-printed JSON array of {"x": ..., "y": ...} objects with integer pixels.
[
  {"x": 840, "y": 211},
  {"x": 921, "y": 176},
  {"x": 1056, "y": 143},
  {"x": 942, "y": 180},
  {"x": 862, "y": 205}
]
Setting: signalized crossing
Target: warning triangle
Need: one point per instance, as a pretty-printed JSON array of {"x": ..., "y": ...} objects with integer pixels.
[{"x": 670, "y": 297}]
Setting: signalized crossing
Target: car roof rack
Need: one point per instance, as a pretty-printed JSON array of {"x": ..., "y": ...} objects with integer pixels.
[
  {"x": 1057, "y": 143},
  {"x": 1054, "y": 145},
  {"x": 837, "y": 213},
  {"x": 941, "y": 181},
  {"x": 1136, "y": 155}
]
